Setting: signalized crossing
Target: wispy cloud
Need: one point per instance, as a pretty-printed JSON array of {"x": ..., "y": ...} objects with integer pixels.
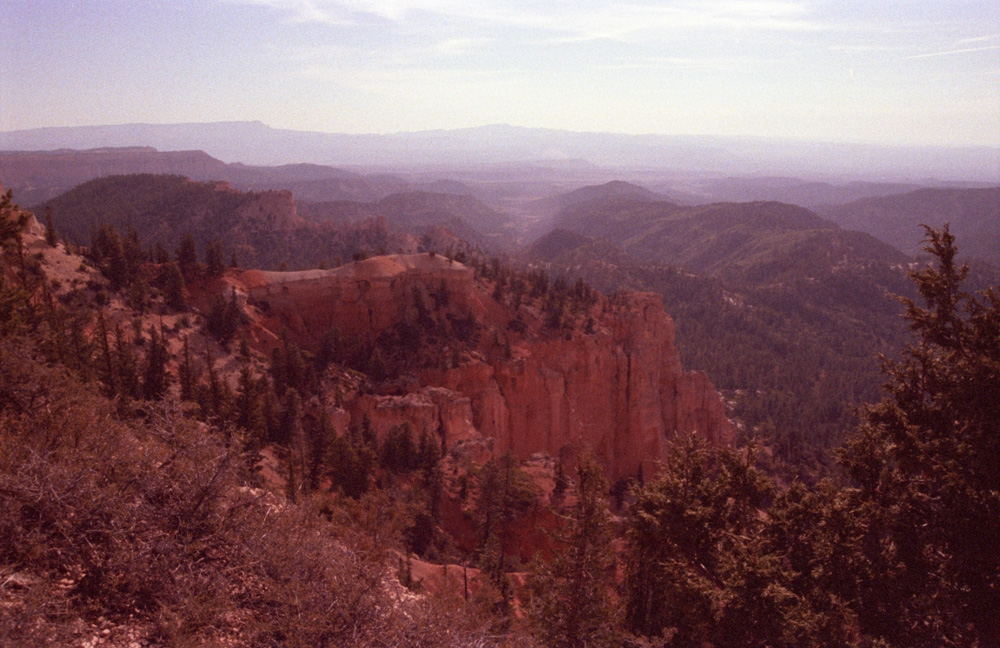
[
  {"x": 681, "y": 63},
  {"x": 865, "y": 48},
  {"x": 977, "y": 39},
  {"x": 587, "y": 21},
  {"x": 302, "y": 11},
  {"x": 964, "y": 50}
]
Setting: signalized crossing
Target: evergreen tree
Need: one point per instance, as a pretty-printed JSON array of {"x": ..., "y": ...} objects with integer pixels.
[
  {"x": 214, "y": 397},
  {"x": 126, "y": 368},
  {"x": 51, "y": 237},
  {"x": 137, "y": 293},
  {"x": 159, "y": 254},
  {"x": 187, "y": 256},
  {"x": 224, "y": 318},
  {"x": 108, "y": 251},
  {"x": 296, "y": 449},
  {"x": 172, "y": 282},
  {"x": 377, "y": 366},
  {"x": 155, "y": 378},
  {"x": 683, "y": 565},
  {"x": 319, "y": 436},
  {"x": 106, "y": 371},
  {"x": 290, "y": 422},
  {"x": 12, "y": 220},
  {"x": 398, "y": 451},
  {"x": 350, "y": 463},
  {"x": 186, "y": 374},
  {"x": 571, "y": 605},
  {"x": 927, "y": 465},
  {"x": 132, "y": 252},
  {"x": 248, "y": 407},
  {"x": 504, "y": 493},
  {"x": 329, "y": 349},
  {"x": 295, "y": 366},
  {"x": 214, "y": 263}
]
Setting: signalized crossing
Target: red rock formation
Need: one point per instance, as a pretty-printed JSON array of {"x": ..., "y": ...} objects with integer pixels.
[{"x": 620, "y": 390}]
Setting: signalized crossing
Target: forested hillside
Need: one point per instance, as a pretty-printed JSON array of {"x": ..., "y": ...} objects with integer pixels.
[
  {"x": 783, "y": 309},
  {"x": 257, "y": 229}
]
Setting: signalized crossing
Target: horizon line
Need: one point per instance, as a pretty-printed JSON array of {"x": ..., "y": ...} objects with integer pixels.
[{"x": 258, "y": 122}]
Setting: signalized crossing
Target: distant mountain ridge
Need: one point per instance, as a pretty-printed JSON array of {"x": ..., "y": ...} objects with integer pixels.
[
  {"x": 727, "y": 238},
  {"x": 614, "y": 190},
  {"x": 257, "y": 143},
  {"x": 811, "y": 194},
  {"x": 36, "y": 176},
  {"x": 973, "y": 214}
]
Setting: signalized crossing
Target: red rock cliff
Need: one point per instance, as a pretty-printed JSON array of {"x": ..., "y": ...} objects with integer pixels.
[{"x": 618, "y": 389}]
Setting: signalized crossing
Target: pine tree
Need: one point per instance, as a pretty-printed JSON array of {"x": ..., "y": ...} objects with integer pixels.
[
  {"x": 216, "y": 397},
  {"x": 12, "y": 220},
  {"x": 377, "y": 367},
  {"x": 106, "y": 370},
  {"x": 224, "y": 318},
  {"x": 159, "y": 254},
  {"x": 504, "y": 493},
  {"x": 927, "y": 464},
  {"x": 329, "y": 350},
  {"x": 51, "y": 237},
  {"x": 398, "y": 451},
  {"x": 571, "y": 605},
  {"x": 126, "y": 368},
  {"x": 132, "y": 252},
  {"x": 294, "y": 438},
  {"x": 248, "y": 414},
  {"x": 172, "y": 282},
  {"x": 108, "y": 251},
  {"x": 681, "y": 565},
  {"x": 214, "y": 263},
  {"x": 295, "y": 366},
  {"x": 187, "y": 256},
  {"x": 155, "y": 378},
  {"x": 319, "y": 435},
  {"x": 186, "y": 374},
  {"x": 350, "y": 465}
]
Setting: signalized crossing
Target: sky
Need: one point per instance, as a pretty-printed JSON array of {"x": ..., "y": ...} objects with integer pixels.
[{"x": 894, "y": 72}]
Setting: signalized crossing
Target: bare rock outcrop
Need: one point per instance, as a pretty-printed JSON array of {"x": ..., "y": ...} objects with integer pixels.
[{"x": 617, "y": 388}]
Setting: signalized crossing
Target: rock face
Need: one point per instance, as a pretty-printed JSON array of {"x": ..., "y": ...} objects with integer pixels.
[
  {"x": 621, "y": 392},
  {"x": 361, "y": 299},
  {"x": 616, "y": 387}
]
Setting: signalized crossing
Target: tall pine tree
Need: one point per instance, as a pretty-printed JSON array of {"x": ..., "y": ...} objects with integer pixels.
[
  {"x": 571, "y": 603},
  {"x": 927, "y": 464}
]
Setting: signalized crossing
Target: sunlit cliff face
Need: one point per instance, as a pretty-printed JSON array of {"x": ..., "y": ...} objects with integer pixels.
[{"x": 613, "y": 384}]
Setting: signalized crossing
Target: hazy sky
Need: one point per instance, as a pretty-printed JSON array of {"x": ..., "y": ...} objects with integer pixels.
[{"x": 905, "y": 71}]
